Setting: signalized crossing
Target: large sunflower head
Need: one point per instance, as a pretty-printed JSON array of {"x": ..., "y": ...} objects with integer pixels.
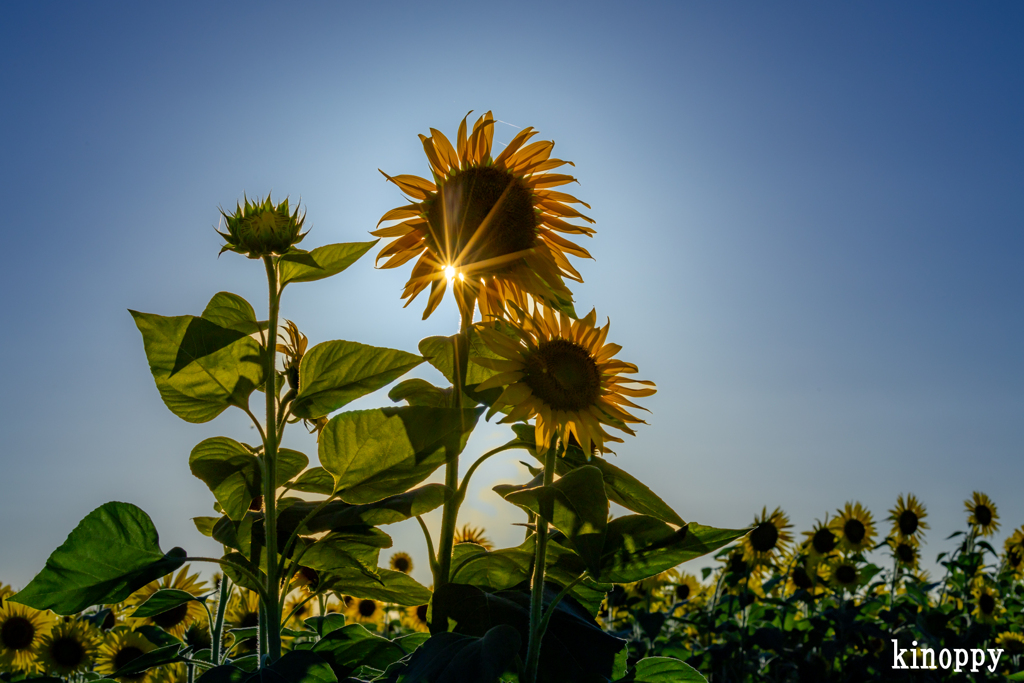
[
  {"x": 22, "y": 630},
  {"x": 562, "y": 372},
  {"x": 983, "y": 517},
  {"x": 487, "y": 226},
  {"x": 365, "y": 611},
  {"x": 70, "y": 648},
  {"x": 854, "y": 528},
  {"x": 177, "y": 619},
  {"x": 415, "y": 618},
  {"x": 908, "y": 518},
  {"x": 769, "y": 537},
  {"x": 121, "y": 647}
]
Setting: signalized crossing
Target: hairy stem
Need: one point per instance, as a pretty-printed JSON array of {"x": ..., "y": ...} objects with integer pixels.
[
  {"x": 270, "y": 446},
  {"x": 217, "y": 628},
  {"x": 537, "y": 621}
]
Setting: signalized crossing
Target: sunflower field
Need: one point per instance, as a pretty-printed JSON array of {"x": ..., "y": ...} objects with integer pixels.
[{"x": 300, "y": 593}]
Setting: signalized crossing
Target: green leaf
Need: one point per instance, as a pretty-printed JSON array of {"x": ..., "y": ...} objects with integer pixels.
[
  {"x": 389, "y": 586},
  {"x": 577, "y": 506},
  {"x": 638, "y": 547},
  {"x": 452, "y": 657},
  {"x": 373, "y": 454},
  {"x": 289, "y": 464},
  {"x": 314, "y": 480},
  {"x": 662, "y": 670},
  {"x": 232, "y": 312},
  {"x": 348, "y": 648},
  {"x": 157, "y": 657},
  {"x": 335, "y": 373},
  {"x": 326, "y": 624},
  {"x": 297, "y": 666},
  {"x": 163, "y": 600},
  {"x": 112, "y": 553},
  {"x": 321, "y": 262},
  {"x": 230, "y": 470},
  {"x": 419, "y": 392},
  {"x": 199, "y": 367},
  {"x": 205, "y": 525},
  {"x": 337, "y": 515},
  {"x": 225, "y": 673},
  {"x": 351, "y": 548}
]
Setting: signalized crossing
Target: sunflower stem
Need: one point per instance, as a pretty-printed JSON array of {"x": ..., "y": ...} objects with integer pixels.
[
  {"x": 537, "y": 622},
  {"x": 272, "y": 611},
  {"x": 218, "y": 625},
  {"x": 450, "y": 512}
]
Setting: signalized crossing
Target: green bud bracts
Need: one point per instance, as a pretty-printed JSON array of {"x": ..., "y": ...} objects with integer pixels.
[{"x": 259, "y": 229}]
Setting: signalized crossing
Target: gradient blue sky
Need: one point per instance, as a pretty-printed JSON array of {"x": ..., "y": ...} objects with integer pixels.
[{"x": 809, "y": 233}]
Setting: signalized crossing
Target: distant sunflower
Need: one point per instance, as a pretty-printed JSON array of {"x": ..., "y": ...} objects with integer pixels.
[
  {"x": 686, "y": 588},
  {"x": 243, "y": 611},
  {"x": 804, "y": 576},
  {"x": 844, "y": 573},
  {"x": 21, "y": 633},
  {"x": 563, "y": 373},
  {"x": 70, "y": 648},
  {"x": 298, "y": 608},
  {"x": 470, "y": 534},
  {"x": 1013, "y": 553},
  {"x": 821, "y": 541},
  {"x": 983, "y": 518},
  {"x": 908, "y": 518},
  {"x": 906, "y": 552},
  {"x": 365, "y": 611},
  {"x": 1012, "y": 643},
  {"x": 401, "y": 562},
  {"x": 854, "y": 527},
  {"x": 489, "y": 227},
  {"x": 769, "y": 537},
  {"x": 177, "y": 619},
  {"x": 987, "y": 606},
  {"x": 415, "y": 618},
  {"x": 742, "y": 575},
  {"x": 121, "y": 648}
]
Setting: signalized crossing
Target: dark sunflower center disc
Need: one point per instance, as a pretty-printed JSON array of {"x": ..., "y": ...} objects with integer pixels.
[
  {"x": 198, "y": 637},
  {"x": 171, "y": 617},
  {"x": 126, "y": 656},
  {"x": 764, "y": 537},
  {"x": 461, "y": 207},
  {"x": 367, "y": 608},
  {"x": 846, "y": 574},
  {"x": 905, "y": 553},
  {"x": 801, "y": 579},
  {"x": 987, "y": 604},
  {"x": 824, "y": 541},
  {"x": 682, "y": 592},
  {"x": 17, "y": 633},
  {"x": 67, "y": 652},
  {"x": 854, "y": 530},
  {"x": 983, "y": 514},
  {"x": 421, "y": 613},
  {"x": 908, "y": 522},
  {"x": 562, "y": 374},
  {"x": 402, "y": 564}
]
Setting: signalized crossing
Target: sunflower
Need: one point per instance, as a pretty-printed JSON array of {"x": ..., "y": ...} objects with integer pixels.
[
  {"x": 401, "y": 562},
  {"x": 563, "y": 373},
  {"x": 769, "y": 537},
  {"x": 415, "y": 618},
  {"x": 843, "y": 573},
  {"x": 470, "y": 534},
  {"x": 987, "y": 606},
  {"x": 804, "y": 576},
  {"x": 1012, "y": 643},
  {"x": 243, "y": 611},
  {"x": 906, "y": 552},
  {"x": 908, "y": 518},
  {"x": 365, "y": 611},
  {"x": 1013, "y": 553},
  {"x": 854, "y": 527},
  {"x": 5, "y": 592},
  {"x": 983, "y": 518},
  {"x": 121, "y": 647},
  {"x": 741, "y": 575},
  {"x": 70, "y": 648},
  {"x": 489, "y": 227},
  {"x": 177, "y": 619},
  {"x": 21, "y": 633},
  {"x": 820, "y": 541},
  {"x": 298, "y": 608},
  {"x": 686, "y": 589}
]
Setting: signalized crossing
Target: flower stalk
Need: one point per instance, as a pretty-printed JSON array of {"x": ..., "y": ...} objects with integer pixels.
[
  {"x": 538, "y": 624},
  {"x": 271, "y": 608}
]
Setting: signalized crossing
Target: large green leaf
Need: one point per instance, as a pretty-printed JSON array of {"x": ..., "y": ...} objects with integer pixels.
[
  {"x": 112, "y": 553},
  {"x": 346, "y": 649},
  {"x": 373, "y": 454},
  {"x": 420, "y": 392},
  {"x": 163, "y": 600},
  {"x": 662, "y": 670},
  {"x": 349, "y": 548},
  {"x": 458, "y": 658},
  {"x": 200, "y": 368},
  {"x": 389, "y": 586},
  {"x": 335, "y": 373},
  {"x": 337, "y": 515},
  {"x": 158, "y": 657},
  {"x": 232, "y": 312},
  {"x": 577, "y": 506},
  {"x": 321, "y": 262},
  {"x": 638, "y": 547},
  {"x": 314, "y": 480}
]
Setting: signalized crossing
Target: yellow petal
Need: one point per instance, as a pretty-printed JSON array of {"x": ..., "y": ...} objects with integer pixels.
[{"x": 499, "y": 380}]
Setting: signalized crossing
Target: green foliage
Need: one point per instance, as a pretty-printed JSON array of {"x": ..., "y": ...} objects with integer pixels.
[
  {"x": 163, "y": 600},
  {"x": 322, "y": 262},
  {"x": 451, "y": 657}
]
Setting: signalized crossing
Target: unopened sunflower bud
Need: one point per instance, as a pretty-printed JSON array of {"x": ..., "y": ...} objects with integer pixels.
[{"x": 258, "y": 229}]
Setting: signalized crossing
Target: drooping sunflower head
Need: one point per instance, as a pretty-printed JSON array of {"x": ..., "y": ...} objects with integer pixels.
[
  {"x": 22, "y": 630},
  {"x": 471, "y": 534},
  {"x": 415, "y": 618},
  {"x": 854, "y": 527},
  {"x": 908, "y": 518},
  {"x": 486, "y": 226},
  {"x": 988, "y": 608},
  {"x": 983, "y": 517},
  {"x": 70, "y": 648},
  {"x": 563, "y": 373},
  {"x": 401, "y": 562},
  {"x": 261, "y": 228},
  {"x": 365, "y": 611},
  {"x": 1011, "y": 642},
  {"x": 121, "y": 647},
  {"x": 769, "y": 537},
  {"x": 820, "y": 541},
  {"x": 177, "y": 619}
]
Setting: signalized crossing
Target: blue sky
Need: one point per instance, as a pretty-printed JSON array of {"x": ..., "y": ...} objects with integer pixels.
[{"x": 810, "y": 233}]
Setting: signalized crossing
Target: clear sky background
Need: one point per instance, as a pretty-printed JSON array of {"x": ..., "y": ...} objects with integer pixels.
[{"x": 810, "y": 234}]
